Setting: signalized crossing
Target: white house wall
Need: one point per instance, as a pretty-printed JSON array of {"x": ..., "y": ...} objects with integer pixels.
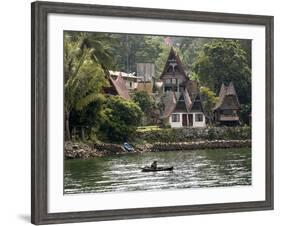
[
  {"x": 134, "y": 84},
  {"x": 195, "y": 124},
  {"x": 176, "y": 124},
  {"x": 199, "y": 124}
]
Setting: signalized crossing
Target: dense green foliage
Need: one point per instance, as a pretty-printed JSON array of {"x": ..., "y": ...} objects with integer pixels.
[
  {"x": 134, "y": 49},
  {"x": 144, "y": 101},
  {"x": 189, "y": 50},
  {"x": 223, "y": 61},
  {"x": 88, "y": 119},
  {"x": 86, "y": 62},
  {"x": 149, "y": 104},
  {"x": 121, "y": 118},
  {"x": 88, "y": 57},
  {"x": 245, "y": 113},
  {"x": 193, "y": 134},
  {"x": 209, "y": 100},
  {"x": 84, "y": 72}
]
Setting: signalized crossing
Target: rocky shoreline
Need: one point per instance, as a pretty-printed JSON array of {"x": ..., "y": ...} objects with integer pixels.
[{"x": 85, "y": 151}]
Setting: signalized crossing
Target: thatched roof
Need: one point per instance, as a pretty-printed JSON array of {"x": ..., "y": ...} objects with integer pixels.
[
  {"x": 176, "y": 101},
  {"x": 169, "y": 101},
  {"x": 187, "y": 99},
  {"x": 227, "y": 91},
  {"x": 120, "y": 87}
]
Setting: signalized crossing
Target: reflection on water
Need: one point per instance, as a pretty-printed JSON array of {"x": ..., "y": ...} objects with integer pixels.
[{"x": 192, "y": 169}]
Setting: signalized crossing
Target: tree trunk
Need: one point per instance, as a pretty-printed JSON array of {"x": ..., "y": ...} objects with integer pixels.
[
  {"x": 67, "y": 129},
  {"x": 83, "y": 133}
]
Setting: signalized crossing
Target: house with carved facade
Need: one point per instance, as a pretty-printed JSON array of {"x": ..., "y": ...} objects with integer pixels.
[{"x": 181, "y": 97}]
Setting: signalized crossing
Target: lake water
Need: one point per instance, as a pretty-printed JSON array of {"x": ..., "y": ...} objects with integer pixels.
[{"x": 192, "y": 169}]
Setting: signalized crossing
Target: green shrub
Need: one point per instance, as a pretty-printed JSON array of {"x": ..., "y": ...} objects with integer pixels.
[
  {"x": 211, "y": 133},
  {"x": 192, "y": 134},
  {"x": 121, "y": 118}
]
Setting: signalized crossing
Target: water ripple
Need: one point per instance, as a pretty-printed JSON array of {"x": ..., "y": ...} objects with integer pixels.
[{"x": 192, "y": 169}]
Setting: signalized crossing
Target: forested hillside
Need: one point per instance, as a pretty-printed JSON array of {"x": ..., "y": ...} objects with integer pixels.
[{"x": 88, "y": 57}]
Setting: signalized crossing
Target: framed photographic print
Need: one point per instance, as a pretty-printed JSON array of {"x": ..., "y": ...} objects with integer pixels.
[{"x": 140, "y": 112}]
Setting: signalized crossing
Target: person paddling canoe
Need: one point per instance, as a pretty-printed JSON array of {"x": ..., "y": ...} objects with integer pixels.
[{"x": 154, "y": 165}]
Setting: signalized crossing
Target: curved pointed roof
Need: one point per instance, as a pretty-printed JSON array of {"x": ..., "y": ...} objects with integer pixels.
[
  {"x": 173, "y": 57},
  {"x": 226, "y": 91}
]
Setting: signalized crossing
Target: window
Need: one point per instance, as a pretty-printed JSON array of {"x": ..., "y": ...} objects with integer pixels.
[
  {"x": 168, "y": 89},
  {"x": 174, "y": 81},
  {"x": 168, "y": 81},
  {"x": 181, "y": 89},
  {"x": 176, "y": 69},
  {"x": 198, "y": 117},
  {"x": 175, "y": 117},
  {"x": 170, "y": 69}
]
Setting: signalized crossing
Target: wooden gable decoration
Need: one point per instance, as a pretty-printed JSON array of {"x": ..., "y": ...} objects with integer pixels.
[{"x": 173, "y": 67}]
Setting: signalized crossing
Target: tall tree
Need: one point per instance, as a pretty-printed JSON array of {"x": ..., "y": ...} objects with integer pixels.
[
  {"x": 144, "y": 101},
  {"x": 147, "y": 105},
  {"x": 162, "y": 58},
  {"x": 134, "y": 49},
  {"x": 209, "y": 100},
  {"x": 189, "y": 50},
  {"x": 85, "y": 67},
  {"x": 223, "y": 61},
  {"x": 87, "y": 121}
]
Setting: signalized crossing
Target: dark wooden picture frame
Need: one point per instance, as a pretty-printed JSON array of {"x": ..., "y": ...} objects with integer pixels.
[{"x": 39, "y": 208}]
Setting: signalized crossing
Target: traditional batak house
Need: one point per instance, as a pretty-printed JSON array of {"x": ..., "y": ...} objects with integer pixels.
[
  {"x": 173, "y": 76},
  {"x": 227, "y": 108},
  {"x": 181, "y": 98}
]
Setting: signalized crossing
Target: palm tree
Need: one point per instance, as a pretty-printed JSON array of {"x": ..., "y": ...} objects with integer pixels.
[{"x": 86, "y": 59}]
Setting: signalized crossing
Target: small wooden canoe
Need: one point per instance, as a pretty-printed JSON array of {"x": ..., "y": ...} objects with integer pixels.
[{"x": 149, "y": 169}]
